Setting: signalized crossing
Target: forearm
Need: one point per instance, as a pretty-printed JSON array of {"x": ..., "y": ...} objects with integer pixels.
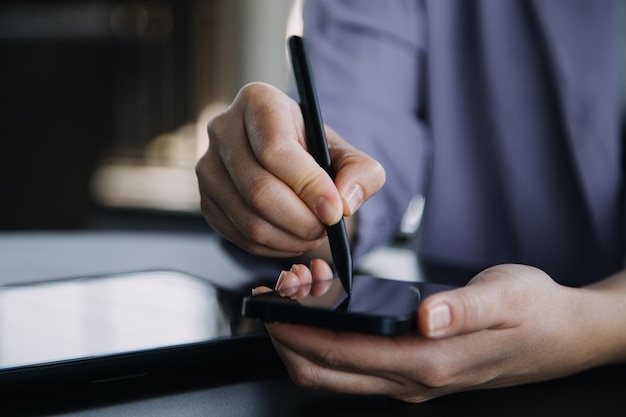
[{"x": 605, "y": 317}]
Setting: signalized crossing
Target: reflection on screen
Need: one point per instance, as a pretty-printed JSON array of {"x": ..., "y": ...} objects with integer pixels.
[
  {"x": 370, "y": 295},
  {"x": 92, "y": 317}
]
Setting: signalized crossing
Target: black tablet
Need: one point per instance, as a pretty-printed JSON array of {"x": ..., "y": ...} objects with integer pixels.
[{"x": 127, "y": 325}]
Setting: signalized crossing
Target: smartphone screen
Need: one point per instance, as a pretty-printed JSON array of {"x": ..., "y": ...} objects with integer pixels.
[
  {"x": 376, "y": 306},
  {"x": 88, "y": 322}
]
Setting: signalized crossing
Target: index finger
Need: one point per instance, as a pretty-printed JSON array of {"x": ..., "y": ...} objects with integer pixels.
[{"x": 279, "y": 144}]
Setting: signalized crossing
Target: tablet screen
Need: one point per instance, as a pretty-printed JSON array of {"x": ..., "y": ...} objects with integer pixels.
[{"x": 70, "y": 319}]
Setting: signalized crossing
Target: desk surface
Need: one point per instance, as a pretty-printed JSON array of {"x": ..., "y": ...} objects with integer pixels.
[
  {"x": 594, "y": 393},
  {"x": 259, "y": 385}
]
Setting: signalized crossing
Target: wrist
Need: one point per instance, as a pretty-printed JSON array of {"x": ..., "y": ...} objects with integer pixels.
[{"x": 603, "y": 306}]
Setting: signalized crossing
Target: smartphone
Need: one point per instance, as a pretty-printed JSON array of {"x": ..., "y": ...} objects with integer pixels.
[
  {"x": 378, "y": 306},
  {"x": 118, "y": 326}
]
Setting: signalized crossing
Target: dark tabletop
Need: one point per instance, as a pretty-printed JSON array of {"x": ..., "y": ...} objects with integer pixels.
[{"x": 267, "y": 391}]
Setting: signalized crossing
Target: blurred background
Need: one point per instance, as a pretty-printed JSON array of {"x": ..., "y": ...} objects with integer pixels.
[{"x": 104, "y": 104}]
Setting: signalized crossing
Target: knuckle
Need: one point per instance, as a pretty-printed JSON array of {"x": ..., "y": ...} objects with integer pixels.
[
  {"x": 217, "y": 127},
  {"x": 260, "y": 191},
  {"x": 207, "y": 206},
  {"x": 331, "y": 359},
  {"x": 418, "y": 396},
  {"x": 309, "y": 181},
  {"x": 306, "y": 377},
  {"x": 208, "y": 176},
  {"x": 258, "y": 100},
  {"x": 271, "y": 149},
  {"x": 473, "y": 309},
  {"x": 311, "y": 375},
  {"x": 412, "y": 398},
  {"x": 253, "y": 229},
  {"x": 258, "y": 96},
  {"x": 310, "y": 185},
  {"x": 252, "y": 90},
  {"x": 437, "y": 377},
  {"x": 315, "y": 234},
  {"x": 250, "y": 247},
  {"x": 199, "y": 167}
]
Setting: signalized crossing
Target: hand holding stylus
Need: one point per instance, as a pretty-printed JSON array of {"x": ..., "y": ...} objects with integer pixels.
[{"x": 261, "y": 189}]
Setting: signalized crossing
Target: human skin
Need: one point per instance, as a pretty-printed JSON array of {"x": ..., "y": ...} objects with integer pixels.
[
  {"x": 262, "y": 190},
  {"x": 511, "y": 324}
]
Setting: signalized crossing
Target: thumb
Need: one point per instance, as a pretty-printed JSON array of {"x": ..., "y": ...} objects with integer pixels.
[
  {"x": 357, "y": 175},
  {"x": 482, "y": 304}
]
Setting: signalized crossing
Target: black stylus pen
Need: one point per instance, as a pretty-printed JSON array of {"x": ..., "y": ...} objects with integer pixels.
[{"x": 318, "y": 147}]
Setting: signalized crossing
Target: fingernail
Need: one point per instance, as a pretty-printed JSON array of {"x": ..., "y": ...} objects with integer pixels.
[
  {"x": 294, "y": 268},
  {"x": 281, "y": 277},
  {"x": 439, "y": 319},
  {"x": 326, "y": 211},
  {"x": 354, "y": 198}
]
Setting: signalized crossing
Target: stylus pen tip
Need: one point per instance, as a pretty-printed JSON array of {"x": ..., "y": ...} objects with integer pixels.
[{"x": 345, "y": 276}]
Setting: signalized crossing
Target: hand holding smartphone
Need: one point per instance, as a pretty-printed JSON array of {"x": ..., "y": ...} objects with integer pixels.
[{"x": 376, "y": 306}]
